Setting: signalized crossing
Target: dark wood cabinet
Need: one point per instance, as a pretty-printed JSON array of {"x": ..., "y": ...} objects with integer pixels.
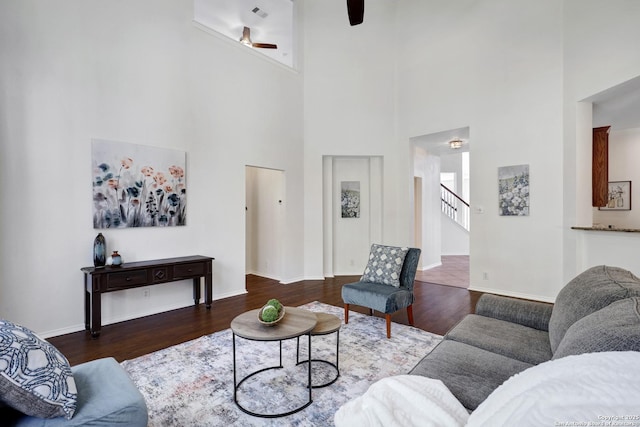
[
  {"x": 99, "y": 280},
  {"x": 600, "y": 167}
]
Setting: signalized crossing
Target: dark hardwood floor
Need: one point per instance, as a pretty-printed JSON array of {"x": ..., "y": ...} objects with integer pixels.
[{"x": 437, "y": 309}]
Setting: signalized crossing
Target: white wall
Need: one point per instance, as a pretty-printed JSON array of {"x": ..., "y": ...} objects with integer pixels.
[
  {"x": 455, "y": 239},
  {"x": 452, "y": 163},
  {"x": 352, "y": 237},
  {"x": 498, "y": 71},
  {"x": 513, "y": 71},
  {"x": 138, "y": 72},
  {"x": 593, "y": 62},
  {"x": 427, "y": 167},
  {"x": 349, "y": 111}
]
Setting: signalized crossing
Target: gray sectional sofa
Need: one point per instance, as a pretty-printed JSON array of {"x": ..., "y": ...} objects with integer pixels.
[{"x": 597, "y": 311}]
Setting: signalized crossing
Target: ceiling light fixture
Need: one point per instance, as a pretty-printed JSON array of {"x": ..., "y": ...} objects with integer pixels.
[{"x": 455, "y": 143}]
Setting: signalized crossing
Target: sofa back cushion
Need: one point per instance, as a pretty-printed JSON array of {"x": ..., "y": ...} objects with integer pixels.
[
  {"x": 587, "y": 293},
  {"x": 614, "y": 328}
]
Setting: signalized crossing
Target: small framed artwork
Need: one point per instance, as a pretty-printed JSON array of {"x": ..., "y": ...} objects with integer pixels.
[
  {"x": 350, "y": 199},
  {"x": 619, "y": 198},
  {"x": 513, "y": 190}
]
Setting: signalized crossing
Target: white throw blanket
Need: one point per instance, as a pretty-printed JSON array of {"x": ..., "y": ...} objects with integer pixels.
[
  {"x": 403, "y": 401},
  {"x": 589, "y": 389}
]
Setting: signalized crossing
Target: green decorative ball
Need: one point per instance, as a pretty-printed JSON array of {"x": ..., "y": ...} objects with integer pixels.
[
  {"x": 269, "y": 313},
  {"x": 275, "y": 303}
]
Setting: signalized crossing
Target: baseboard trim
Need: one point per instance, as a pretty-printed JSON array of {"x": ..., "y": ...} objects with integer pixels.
[
  {"x": 429, "y": 267},
  {"x": 290, "y": 281},
  {"x": 521, "y": 295},
  {"x": 155, "y": 310}
]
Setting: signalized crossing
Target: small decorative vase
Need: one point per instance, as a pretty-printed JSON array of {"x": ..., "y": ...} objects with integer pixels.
[
  {"x": 116, "y": 259},
  {"x": 99, "y": 251}
]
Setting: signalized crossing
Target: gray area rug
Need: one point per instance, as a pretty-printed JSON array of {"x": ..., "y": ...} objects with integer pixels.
[{"x": 191, "y": 384}]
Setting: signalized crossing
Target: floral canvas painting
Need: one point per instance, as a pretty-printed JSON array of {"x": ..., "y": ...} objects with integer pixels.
[
  {"x": 137, "y": 186},
  {"x": 350, "y": 199},
  {"x": 513, "y": 188}
]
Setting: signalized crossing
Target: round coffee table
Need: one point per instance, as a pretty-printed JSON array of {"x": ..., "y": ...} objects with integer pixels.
[{"x": 295, "y": 323}]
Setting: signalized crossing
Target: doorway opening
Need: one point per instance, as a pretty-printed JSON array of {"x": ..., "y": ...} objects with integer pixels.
[
  {"x": 444, "y": 238},
  {"x": 264, "y": 213}
]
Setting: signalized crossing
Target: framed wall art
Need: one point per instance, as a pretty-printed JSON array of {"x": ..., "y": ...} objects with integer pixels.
[
  {"x": 350, "y": 199},
  {"x": 137, "y": 186},
  {"x": 513, "y": 190},
  {"x": 619, "y": 196}
]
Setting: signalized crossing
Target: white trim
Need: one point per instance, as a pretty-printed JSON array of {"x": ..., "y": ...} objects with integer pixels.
[
  {"x": 429, "y": 267},
  {"x": 512, "y": 294},
  {"x": 265, "y": 275},
  {"x": 110, "y": 321},
  {"x": 294, "y": 280},
  {"x": 61, "y": 331}
]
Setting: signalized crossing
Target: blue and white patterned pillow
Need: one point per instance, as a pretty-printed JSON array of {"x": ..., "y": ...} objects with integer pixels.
[
  {"x": 35, "y": 378},
  {"x": 385, "y": 265}
]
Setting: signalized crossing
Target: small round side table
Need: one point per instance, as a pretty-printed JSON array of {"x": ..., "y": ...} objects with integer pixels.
[{"x": 327, "y": 324}]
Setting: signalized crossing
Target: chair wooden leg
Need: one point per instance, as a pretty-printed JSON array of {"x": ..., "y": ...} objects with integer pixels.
[
  {"x": 346, "y": 314},
  {"x": 388, "y": 317},
  {"x": 410, "y": 314}
]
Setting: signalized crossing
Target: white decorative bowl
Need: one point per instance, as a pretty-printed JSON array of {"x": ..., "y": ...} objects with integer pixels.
[{"x": 280, "y": 316}]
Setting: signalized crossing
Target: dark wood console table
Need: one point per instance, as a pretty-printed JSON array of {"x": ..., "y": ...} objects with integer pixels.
[{"x": 99, "y": 280}]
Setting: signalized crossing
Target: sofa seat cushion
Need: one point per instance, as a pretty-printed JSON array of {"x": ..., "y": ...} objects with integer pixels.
[
  {"x": 587, "y": 293},
  {"x": 470, "y": 373},
  {"x": 512, "y": 340},
  {"x": 106, "y": 397},
  {"x": 614, "y": 328},
  {"x": 382, "y": 298}
]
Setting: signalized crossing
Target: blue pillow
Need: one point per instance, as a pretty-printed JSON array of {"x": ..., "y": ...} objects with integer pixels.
[
  {"x": 35, "y": 378},
  {"x": 385, "y": 265}
]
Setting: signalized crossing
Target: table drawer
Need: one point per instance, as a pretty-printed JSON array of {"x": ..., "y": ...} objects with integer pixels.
[
  {"x": 160, "y": 274},
  {"x": 126, "y": 279},
  {"x": 188, "y": 270}
]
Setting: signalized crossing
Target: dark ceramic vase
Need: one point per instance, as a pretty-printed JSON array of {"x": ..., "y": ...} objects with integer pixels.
[{"x": 99, "y": 251}]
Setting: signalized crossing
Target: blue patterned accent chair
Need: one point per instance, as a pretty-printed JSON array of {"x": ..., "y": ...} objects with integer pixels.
[{"x": 387, "y": 283}]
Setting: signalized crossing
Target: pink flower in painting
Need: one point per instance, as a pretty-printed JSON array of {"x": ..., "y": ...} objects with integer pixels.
[
  {"x": 126, "y": 162},
  {"x": 168, "y": 188},
  {"x": 176, "y": 171},
  {"x": 159, "y": 178},
  {"x": 113, "y": 183},
  {"x": 147, "y": 171}
]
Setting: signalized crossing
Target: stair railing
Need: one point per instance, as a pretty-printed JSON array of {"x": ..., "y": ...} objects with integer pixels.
[{"x": 454, "y": 207}]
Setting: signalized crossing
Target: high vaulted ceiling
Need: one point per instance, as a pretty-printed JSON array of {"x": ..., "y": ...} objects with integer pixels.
[
  {"x": 618, "y": 107},
  {"x": 271, "y": 21}
]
